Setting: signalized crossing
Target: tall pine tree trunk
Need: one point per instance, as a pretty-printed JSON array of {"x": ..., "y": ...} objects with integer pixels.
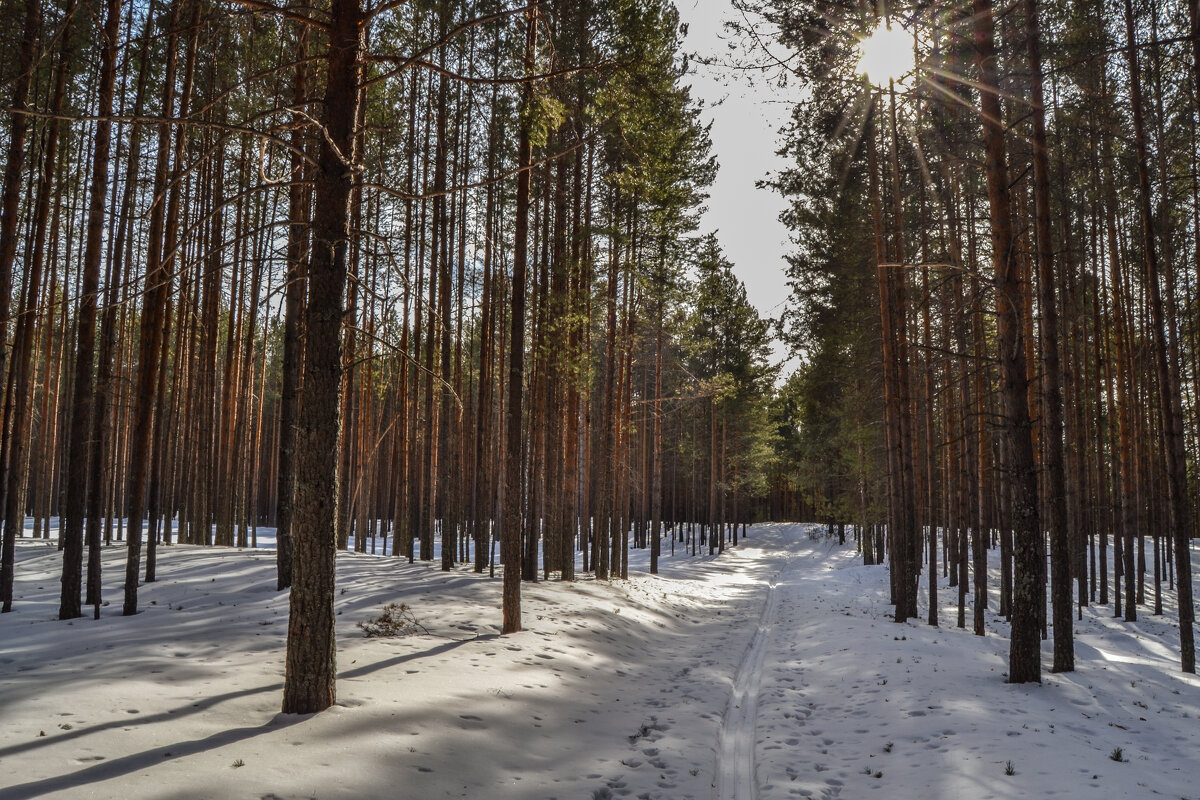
[
  {"x": 310, "y": 662},
  {"x": 1060, "y": 564},
  {"x": 85, "y": 351},
  {"x": 293, "y": 312},
  {"x": 153, "y": 327},
  {"x": 510, "y": 533},
  {"x": 1165, "y": 352},
  {"x": 9, "y": 207},
  {"x": 1024, "y": 663}
]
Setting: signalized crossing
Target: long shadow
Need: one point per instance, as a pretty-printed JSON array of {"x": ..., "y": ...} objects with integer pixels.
[
  {"x": 144, "y": 760},
  {"x": 174, "y": 714},
  {"x": 119, "y": 767},
  {"x": 367, "y": 669},
  {"x": 208, "y": 702}
]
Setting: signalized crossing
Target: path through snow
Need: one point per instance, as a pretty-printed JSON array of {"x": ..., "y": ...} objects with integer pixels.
[
  {"x": 700, "y": 682},
  {"x": 736, "y": 778},
  {"x": 835, "y": 700}
]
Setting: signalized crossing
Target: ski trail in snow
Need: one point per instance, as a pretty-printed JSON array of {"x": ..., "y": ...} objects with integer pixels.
[{"x": 735, "y": 759}]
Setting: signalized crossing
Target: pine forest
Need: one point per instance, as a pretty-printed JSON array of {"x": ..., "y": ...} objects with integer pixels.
[{"x": 731, "y": 399}]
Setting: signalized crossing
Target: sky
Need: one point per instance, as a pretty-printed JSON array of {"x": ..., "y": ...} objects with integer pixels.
[{"x": 745, "y": 122}]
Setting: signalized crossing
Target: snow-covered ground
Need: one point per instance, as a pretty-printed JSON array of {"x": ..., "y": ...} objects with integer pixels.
[{"x": 772, "y": 671}]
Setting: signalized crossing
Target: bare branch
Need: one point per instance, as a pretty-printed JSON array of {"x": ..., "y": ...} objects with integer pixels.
[
  {"x": 402, "y": 63},
  {"x": 148, "y": 120},
  {"x": 263, "y": 6},
  {"x": 500, "y": 81},
  {"x": 485, "y": 183}
]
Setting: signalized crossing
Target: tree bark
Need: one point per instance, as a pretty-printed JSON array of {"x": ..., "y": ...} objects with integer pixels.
[
  {"x": 18, "y": 399},
  {"x": 10, "y": 194},
  {"x": 153, "y": 328},
  {"x": 513, "y": 500},
  {"x": 293, "y": 313},
  {"x": 1165, "y": 352},
  {"x": 310, "y": 663},
  {"x": 85, "y": 352},
  {"x": 1060, "y": 564},
  {"x": 1024, "y": 662}
]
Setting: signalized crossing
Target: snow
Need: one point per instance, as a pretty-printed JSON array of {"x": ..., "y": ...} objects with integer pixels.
[
  {"x": 736, "y": 773},
  {"x": 770, "y": 671}
]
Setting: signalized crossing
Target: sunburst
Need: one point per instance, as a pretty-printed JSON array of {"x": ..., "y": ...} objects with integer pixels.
[{"x": 886, "y": 54}]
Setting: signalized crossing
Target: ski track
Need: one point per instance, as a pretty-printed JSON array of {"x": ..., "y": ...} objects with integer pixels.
[
  {"x": 736, "y": 772},
  {"x": 774, "y": 672}
]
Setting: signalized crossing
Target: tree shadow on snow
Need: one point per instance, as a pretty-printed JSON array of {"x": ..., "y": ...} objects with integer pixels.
[{"x": 135, "y": 762}]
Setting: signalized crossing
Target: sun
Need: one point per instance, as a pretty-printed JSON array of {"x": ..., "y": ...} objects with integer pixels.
[{"x": 886, "y": 54}]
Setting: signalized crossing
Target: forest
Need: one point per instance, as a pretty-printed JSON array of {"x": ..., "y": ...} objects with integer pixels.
[
  {"x": 1021, "y": 279},
  {"x": 311, "y": 290}
]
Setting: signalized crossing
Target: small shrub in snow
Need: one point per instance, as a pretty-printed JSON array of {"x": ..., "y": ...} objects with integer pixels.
[
  {"x": 1009, "y": 769},
  {"x": 396, "y": 620},
  {"x": 1117, "y": 755},
  {"x": 238, "y": 763},
  {"x": 645, "y": 730}
]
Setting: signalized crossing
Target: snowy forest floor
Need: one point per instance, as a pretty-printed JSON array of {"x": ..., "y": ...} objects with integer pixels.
[{"x": 772, "y": 671}]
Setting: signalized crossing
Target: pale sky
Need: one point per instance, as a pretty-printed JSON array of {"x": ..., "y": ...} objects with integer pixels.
[{"x": 746, "y": 119}]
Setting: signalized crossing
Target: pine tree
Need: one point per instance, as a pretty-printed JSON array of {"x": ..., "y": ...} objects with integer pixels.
[{"x": 311, "y": 670}]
